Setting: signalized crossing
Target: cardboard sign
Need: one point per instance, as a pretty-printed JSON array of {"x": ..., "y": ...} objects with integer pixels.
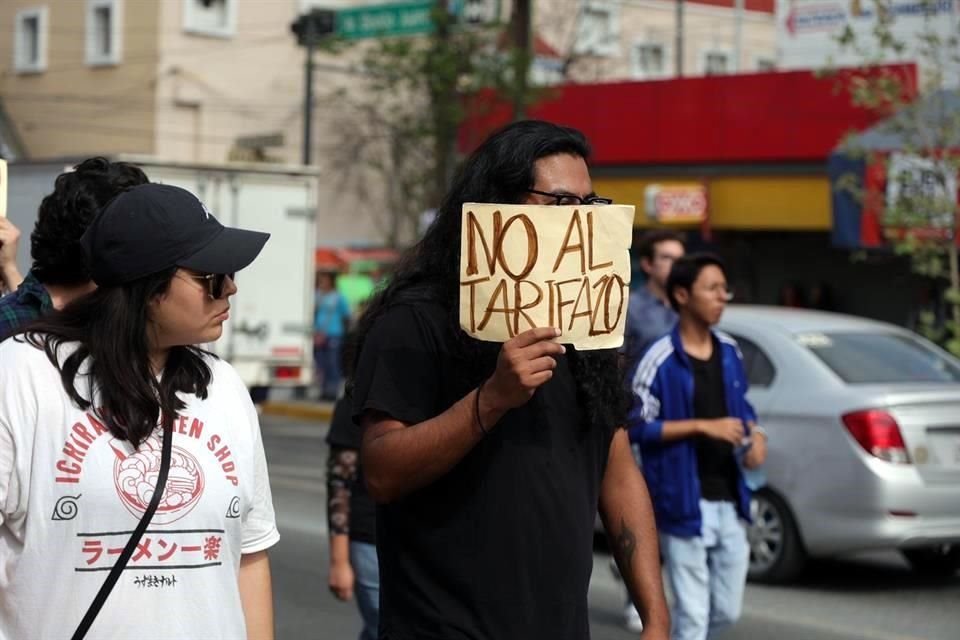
[
  {"x": 529, "y": 266},
  {"x": 3, "y": 188}
]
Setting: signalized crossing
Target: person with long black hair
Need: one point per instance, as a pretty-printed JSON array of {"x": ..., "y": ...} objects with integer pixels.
[
  {"x": 489, "y": 461},
  {"x": 97, "y": 401}
]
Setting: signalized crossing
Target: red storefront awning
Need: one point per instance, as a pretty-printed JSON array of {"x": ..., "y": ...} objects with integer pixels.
[{"x": 778, "y": 117}]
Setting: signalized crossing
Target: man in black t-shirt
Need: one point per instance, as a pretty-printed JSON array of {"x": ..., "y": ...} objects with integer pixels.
[
  {"x": 489, "y": 461},
  {"x": 696, "y": 430}
]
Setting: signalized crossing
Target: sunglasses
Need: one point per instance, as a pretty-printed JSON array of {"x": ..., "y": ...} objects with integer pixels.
[{"x": 215, "y": 283}]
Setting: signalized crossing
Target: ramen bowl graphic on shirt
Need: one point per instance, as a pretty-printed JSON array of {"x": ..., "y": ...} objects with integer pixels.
[{"x": 135, "y": 476}]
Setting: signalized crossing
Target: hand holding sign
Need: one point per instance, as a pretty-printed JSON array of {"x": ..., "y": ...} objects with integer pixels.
[
  {"x": 9, "y": 236},
  {"x": 525, "y": 363},
  {"x": 10, "y": 277},
  {"x": 532, "y": 266}
]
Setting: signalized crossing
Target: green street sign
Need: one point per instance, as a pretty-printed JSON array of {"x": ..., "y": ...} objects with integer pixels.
[{"x": 376, "y": 21}]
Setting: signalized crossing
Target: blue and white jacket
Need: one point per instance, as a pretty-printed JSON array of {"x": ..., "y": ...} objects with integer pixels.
[{"x": 663, "y": 390}]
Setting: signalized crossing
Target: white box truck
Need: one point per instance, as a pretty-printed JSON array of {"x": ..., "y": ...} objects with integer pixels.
[{"x": 269, "y": 338}]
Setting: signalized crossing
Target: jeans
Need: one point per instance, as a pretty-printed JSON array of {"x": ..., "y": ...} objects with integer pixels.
[
  {"x": 366, "y": 569},
  {"x": 327, "y": 357},
  {"x": 707, "y": 574}
]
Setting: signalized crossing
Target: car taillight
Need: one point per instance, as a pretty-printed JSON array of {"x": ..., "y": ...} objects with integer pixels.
[{"x": 878, "y": 433}]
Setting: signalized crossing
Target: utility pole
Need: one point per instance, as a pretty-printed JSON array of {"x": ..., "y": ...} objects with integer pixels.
[
  {"x": 679, "y": 43},
  {"x": 308, "y": 96},
  {"x": 310, "y": 28},
  {"x": 520, "y": 23}
]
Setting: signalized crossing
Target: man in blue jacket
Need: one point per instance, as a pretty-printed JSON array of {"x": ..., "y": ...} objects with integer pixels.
[{"x": 696, "y": 431}]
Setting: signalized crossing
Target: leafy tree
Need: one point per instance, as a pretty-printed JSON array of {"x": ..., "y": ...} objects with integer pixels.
[
  {"x": 398, "y": 125},
  {"x": 920, "y": 211}
]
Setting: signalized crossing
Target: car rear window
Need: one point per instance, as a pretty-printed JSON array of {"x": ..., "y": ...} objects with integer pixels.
[{"x": 873, "y": 358}]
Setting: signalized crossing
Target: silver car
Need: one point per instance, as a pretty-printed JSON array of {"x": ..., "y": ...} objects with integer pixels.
[{"x": 863, "y": 420}]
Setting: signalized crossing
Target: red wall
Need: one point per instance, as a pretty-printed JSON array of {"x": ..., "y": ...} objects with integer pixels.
[{"x": 765, "y": 117}]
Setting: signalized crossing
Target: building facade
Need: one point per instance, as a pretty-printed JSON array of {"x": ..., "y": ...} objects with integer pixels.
[
  {"x": 201, "y": 81},
  {"x": 210, "y": 81},
  {"x": 808, "y": 33},
  {"x": 744, "y": 161},
  {"x": 606, "y": 40}
]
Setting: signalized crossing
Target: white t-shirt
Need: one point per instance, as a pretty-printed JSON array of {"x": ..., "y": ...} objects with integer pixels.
[{"x": 71, "y": 494}]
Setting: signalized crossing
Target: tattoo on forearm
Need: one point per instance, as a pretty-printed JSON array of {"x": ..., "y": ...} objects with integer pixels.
[{"x": 625, "y": 544}]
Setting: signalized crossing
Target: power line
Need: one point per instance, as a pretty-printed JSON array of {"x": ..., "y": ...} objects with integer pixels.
[
  {"x": 241, "y": 29},
  {"x": 51, "y": 121},
  {"x": 119, "y": 133},
  {"x": 113, "y": 131},
  {"x": 160, "y": 54},
  {"x": 144, "y": 104},
  {"x": 147, "y": 104}
]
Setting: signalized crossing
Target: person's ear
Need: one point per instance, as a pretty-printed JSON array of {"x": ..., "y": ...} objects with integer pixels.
[
  {"x": 646, "y": 265},
  {"x": 681, "y": 295},
  {"x": 154, "y": 301}
]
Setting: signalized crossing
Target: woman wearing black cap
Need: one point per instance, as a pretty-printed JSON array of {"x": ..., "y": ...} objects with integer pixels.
[{"x": 108, "y": 399}]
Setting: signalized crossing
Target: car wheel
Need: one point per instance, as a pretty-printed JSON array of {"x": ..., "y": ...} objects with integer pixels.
[
  {"x": 776, "y": 551},
  {"x": 941, "y": 561}
]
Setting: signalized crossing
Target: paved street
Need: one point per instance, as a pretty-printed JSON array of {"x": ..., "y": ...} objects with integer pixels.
[{"x": 874, "y": 598}]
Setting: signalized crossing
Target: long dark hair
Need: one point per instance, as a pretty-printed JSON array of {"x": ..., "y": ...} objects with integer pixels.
[
  {"x": 111, "y": 326},
  {"x": 499, "y": 171}
]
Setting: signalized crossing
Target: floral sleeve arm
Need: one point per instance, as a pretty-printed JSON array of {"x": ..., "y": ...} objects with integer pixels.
[{"x": 341, "y": 474}]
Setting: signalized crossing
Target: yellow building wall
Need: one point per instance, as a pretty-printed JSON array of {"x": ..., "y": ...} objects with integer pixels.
[
  {"x": 786, "y": 203},
  {"x": 71, "y": 107}
]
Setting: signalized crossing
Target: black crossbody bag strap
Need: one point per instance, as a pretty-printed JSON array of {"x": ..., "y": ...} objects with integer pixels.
[{"x": 128, "y": 550}]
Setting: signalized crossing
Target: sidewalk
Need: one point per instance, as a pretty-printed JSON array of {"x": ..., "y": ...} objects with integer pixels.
[{"x": 302, "y": 409}]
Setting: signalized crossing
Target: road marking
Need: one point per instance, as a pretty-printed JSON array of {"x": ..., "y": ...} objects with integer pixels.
[{"x": 778, "y": 617}]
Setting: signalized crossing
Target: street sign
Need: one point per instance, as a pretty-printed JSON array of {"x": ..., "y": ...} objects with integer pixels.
[
  {"x": 409, "y": 18},
  {"x": 376, "y": 21}
]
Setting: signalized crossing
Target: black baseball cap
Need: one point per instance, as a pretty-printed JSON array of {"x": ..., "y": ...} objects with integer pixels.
[{"x": 153, "y": 227}]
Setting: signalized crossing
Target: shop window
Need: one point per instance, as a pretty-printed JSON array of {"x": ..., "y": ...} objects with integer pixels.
[
  {"x": 104, "y": 29},
  {"x": 30, "y": 40}
]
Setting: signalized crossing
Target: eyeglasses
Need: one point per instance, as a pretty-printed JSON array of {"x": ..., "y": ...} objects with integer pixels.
[
  {"x": 215, "y": 283},
  {"x": 571, "y": 199},
  {"x": 665, "y": 257},
  {"x": 720, "y": 290}
]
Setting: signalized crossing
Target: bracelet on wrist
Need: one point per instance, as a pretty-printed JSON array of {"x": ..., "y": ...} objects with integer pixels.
[{"x": 476, "y": 410}]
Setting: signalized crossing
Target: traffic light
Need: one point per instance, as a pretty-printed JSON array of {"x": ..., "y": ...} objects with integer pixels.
[{"x": 311, "y": 27}]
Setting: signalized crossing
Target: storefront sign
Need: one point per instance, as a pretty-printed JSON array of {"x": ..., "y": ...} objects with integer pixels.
[
  {"x": 815, "y": 17},
  {"x": 677, "y": 204},
  {"x": 921, "y": 192}
]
